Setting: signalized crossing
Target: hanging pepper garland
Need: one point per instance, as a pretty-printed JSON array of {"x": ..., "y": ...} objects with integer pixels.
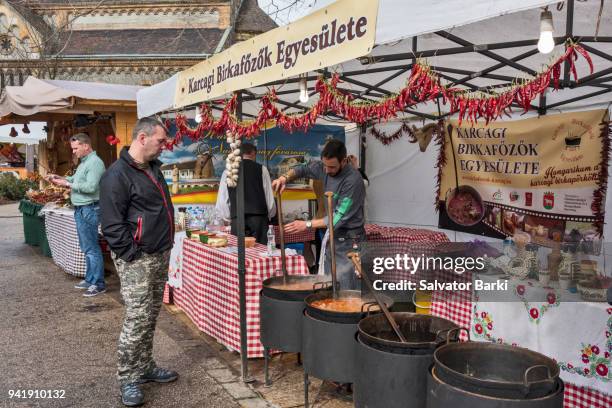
[
  {"x": 423, "y": 85},
  {"x": 436, "y": 130},
  {"x": 386, "y": 139},
  {"x": 599, "y": 196}
]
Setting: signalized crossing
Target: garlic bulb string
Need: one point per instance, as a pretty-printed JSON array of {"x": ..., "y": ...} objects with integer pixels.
[{"x": 232, "y": 162}]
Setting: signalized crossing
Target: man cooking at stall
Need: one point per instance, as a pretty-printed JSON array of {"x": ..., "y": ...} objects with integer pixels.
[{"x": 341, "y": 178}]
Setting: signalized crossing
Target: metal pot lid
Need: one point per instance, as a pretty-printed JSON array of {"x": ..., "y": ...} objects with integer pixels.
[{"x": 420, "y": 331}]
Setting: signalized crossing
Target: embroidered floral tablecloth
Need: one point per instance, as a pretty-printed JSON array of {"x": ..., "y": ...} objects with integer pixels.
[{"x": 554, "y": 322}]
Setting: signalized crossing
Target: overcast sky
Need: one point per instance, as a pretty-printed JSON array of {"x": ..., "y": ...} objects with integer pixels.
[{"x": 286, "y": 11}]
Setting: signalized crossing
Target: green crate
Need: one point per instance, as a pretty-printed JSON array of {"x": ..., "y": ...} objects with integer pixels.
[{"x": 34, "y": 226}]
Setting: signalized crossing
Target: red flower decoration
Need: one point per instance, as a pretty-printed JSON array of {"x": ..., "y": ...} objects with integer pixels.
[
  {"x": 112, "y": 140},
  {"x": 483, "y": 314},
  {"x": 606, "y": 354},
  {"x": 520, "y": 289},
  {"x": 490, "y": 326},
  {"x": 609, "y": 310},
  {"x": 595, "y": 349},
  {"x": 570, "y": 366},
  {"x": 478, "y": 329},
  {"x": 552, "y": 298},
  {"x": 586, "y": 371},
  {"x": 585, "y": 359},
  {"x": 534, "y": 313},
  {"x": 602, "y": 370}
]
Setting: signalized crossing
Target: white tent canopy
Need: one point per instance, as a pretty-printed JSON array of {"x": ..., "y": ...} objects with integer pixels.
[
  {"x": 39, "y": 95},
  {"x": 480, "y": 21},
  {"x": 401, "y": 19}
]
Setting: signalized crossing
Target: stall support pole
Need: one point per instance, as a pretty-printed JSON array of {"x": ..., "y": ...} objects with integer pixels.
[
  {"x": 241, "y": 260},
  {"x": 362, "y": 146}
]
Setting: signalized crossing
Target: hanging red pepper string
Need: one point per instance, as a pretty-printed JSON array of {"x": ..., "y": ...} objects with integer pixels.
[{"x": 423, "y": 85}]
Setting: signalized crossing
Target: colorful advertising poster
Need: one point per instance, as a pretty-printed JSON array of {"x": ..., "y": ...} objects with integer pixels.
[
  {"x": 537, "y": 180},
  {"x": 198, "y": 166}
]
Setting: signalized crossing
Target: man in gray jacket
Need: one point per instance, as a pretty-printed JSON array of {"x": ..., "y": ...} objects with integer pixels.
[{"x": 341, "y": 178}]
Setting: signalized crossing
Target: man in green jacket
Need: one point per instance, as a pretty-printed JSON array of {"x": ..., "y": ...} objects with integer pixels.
[{"x": 85, "y": 195}]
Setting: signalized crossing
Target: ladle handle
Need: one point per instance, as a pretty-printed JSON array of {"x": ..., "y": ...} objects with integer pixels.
[
  {"x": 332, "y": 244},
  {"x": 281, "y": 233},
  {"x": 355, "y": 258}
]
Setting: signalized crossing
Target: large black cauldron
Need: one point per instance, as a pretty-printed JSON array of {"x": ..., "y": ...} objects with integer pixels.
[
  {"x": 496, "y": 370},
  {"x": 281, "y": 304},
  {"x": 392, "y": 374},
  {"x": 328, "y": 338},
  {"x": 442, "y": 395}
]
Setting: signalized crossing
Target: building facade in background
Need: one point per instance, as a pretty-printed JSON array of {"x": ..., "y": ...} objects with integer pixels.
[{"x": 138, "y": 42}]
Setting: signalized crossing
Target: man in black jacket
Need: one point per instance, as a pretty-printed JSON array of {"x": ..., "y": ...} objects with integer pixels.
[{"x": 137, "y": 220}]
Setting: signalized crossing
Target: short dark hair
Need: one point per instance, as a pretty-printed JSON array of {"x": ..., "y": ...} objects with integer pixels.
[
  {"x": 248, "y": 148},
  {"x": 334, "y": 148},
  {"x": 147, "y": 126},
  {"x": 81, "y": 138}
]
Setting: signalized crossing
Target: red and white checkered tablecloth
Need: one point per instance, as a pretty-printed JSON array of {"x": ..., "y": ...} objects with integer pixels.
[
  {"x": 458, "y": 308},
  {"x": 414, "y": 242},
  {"x": 209, "y": 294},
  {"x": 375, "y": 232},
  {"x": 306, "y": 236}
]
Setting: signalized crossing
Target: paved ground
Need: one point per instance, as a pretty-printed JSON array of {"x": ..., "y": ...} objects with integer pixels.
[{"x": 52, "y": 338}]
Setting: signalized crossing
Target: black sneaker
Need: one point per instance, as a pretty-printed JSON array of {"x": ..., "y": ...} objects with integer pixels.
[
  {"x": 160, "y": 375},
  {"x": 131, "y": 395},
  {"x": 93, "y": 290}
]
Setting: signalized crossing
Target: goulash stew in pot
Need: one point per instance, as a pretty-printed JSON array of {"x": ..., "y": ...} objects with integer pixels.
[{"x": 344, "y": 305}]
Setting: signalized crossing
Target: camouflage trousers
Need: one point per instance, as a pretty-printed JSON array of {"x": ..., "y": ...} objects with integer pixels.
[{"x": 142, "y": 289}]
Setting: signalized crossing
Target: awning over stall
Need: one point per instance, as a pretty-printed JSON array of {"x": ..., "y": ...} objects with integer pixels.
[{"x": 41, "y": 95}]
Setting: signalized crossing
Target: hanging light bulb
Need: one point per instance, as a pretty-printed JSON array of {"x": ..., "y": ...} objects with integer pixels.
[
  {"x": 25, "y": 129},
  {"x": 546, "y": 43},
  {"x": 303, "y": 90},
  {"x": 13, "y": 132},
  {"x": 198, "y": 115}
]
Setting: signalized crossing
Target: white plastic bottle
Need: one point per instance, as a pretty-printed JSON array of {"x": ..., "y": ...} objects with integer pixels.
[{"x": 271, "y": 241}]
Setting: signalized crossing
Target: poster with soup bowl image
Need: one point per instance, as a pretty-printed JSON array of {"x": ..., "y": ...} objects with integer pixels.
[{"x": 538, "y": 178}]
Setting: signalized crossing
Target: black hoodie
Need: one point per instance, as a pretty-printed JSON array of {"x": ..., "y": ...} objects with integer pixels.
[{"x": 136, "y": 211}]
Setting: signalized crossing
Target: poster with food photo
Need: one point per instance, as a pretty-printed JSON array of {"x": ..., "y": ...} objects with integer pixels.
[{"x": 538, "y": 178}]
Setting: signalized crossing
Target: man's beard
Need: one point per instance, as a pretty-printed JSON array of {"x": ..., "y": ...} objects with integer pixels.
[{"x": 338, "y": 172}]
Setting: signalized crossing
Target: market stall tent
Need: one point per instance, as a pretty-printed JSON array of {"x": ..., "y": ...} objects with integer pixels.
[
  {"x": 30, "y": 140},
  {"x": 99, "y": 109},
  {"x": 473, "y": 45}
]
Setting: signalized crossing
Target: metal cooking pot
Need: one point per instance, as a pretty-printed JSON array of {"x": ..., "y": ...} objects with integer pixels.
[
  {"x": 273, "y": 287},
  {"x": 496, "y": 370},
  {"x": 465, "y": 189},
  {"x": 343, "y": 317},
  {"x": 422, "y": 332}
]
